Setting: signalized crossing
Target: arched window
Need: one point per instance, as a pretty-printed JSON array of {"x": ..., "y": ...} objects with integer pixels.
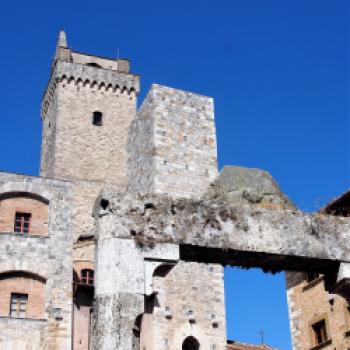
[
  {"x": 190, "y": 343},
  {"x": 97, "y": 118},
  {"x": 87, "y": 277}
]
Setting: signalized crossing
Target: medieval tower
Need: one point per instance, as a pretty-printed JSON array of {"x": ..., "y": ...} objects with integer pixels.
[{"x": 94, "y": 137}]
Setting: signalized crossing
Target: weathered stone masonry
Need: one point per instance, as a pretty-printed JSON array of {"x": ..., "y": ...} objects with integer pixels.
[{"x": 49, "y": 258}]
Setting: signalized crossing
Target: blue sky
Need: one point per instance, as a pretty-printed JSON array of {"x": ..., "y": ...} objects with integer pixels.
[{"x": 278, "y": 71}]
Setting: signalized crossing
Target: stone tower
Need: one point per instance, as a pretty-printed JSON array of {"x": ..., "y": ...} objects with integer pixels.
[
  {"x": 86, "y": 111},
  {"x": 172, "y": 146},
  {"x": 94, "y": 137}
]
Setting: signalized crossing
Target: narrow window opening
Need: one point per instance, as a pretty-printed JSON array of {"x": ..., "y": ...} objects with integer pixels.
[
  {"x": 18, "y": 305},
  {"x": 87, "y": 277},
  {"x": 93, "y": 64},
  {"x": 104, "y": 203},
  {"x": 311, "y": 276},
  {"x": 97, "y": 118},
  {"x": 22, "y": 222},
  {"x": 319, "y": 332}
]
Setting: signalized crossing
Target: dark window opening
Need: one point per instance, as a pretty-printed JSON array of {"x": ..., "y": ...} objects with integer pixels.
[
  {"x": 319, "y": 332},
  {"x": 87, "y": 277},
  {"x": 311, "y": 276},
  {"x": 93, "y": 64},
  {"x": 190, "y": 343},
  {"x": 18, "y": 305},
  {"x": 104, "y": 203},
  {"x": 97, "y": 118},
  {"x": 22, "y": 222}
]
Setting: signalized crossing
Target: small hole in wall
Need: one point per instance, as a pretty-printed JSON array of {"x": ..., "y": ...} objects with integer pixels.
[
  {"x": 104, "y": 203},
  {"x": 165, "y": 162}
]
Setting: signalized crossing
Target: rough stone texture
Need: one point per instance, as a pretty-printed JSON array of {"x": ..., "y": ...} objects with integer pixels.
[
  {"x": 223, "y": 226},
  {"x": 47, "y": 256},
  {"x": 141, "y": 149},
  {"x": 240, "y": 186},
  {"x": 310, "y": 303},
  {"x": 172, "y": 144},
  {"x": 185, "y": 293}
]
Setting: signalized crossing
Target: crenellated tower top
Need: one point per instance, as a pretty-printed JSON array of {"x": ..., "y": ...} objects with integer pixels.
[{"x": 86, "y": 111}]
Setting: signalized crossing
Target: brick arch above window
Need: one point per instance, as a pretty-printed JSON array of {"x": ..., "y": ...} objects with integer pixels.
[
  {"x": 32, "y": 189},
  {"x": 24, "y": 212},
  {"x": 26, "y": 266},
  {"x": 22, "y": 295}
]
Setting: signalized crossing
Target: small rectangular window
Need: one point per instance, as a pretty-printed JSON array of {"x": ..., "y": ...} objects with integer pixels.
[
  {"x": 18, "y": 305},
  {"x": 97, "y": 118},
  {"x": 87, "y": 277},
  {"x": 22, "y": 222},
  {"x": 319, "y": 332}
]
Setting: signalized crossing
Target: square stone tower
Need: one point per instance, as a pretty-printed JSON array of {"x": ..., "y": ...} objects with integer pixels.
[
  {"x": 86, "y": 111},
  {"x": 172, "y": 145}
]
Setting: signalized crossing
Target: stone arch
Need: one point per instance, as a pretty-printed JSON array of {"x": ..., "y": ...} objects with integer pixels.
[
  {"x": 26, "y": 187},
  {"x": 190, "y": 331},
  {"x": 22, "y": 273},
  {"x": 25, "y": 266}
]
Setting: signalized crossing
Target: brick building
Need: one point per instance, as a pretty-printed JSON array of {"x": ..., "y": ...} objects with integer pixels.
[{"x": 319, "y": 320}]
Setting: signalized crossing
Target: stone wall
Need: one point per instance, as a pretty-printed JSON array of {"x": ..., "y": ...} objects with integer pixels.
[
  {"x": 141, "y": 149},
  {"x": 172, "y": 143},
  {"x": 49, "y": 257},
  {"x": 172, "y": 149},
  {"x": 190, "y": 302}
]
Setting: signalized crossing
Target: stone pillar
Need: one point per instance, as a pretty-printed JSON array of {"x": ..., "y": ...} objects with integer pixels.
[{"x": 115, "y": 317}]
